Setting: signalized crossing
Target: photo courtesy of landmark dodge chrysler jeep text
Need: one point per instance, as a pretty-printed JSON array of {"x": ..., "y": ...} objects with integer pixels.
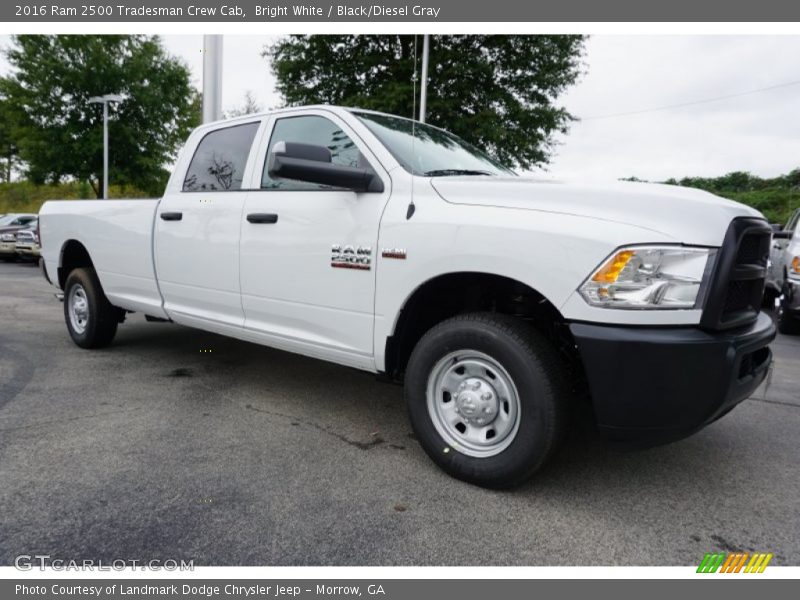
[{"x": 391, "y": 246}]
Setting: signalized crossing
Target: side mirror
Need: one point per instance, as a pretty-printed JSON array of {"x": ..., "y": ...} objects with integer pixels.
[
  {"x": 307, "y": 162},
  {"x": 782, "y": 235}
]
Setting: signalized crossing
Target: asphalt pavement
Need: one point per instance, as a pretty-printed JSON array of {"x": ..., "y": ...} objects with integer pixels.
[{"x": 179, "y": 444}]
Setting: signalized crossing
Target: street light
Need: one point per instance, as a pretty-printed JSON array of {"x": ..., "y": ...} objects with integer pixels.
[
  {"x": 104, "y": 100},
  {"x": 423, "y": 90}
]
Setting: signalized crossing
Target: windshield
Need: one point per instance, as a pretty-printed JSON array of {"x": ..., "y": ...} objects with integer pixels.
[
  {"x": 7, "y": 219},
  {"x": 434, "y": 152}
]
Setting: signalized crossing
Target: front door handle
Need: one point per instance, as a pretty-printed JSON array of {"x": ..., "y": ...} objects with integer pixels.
[
  {"x": 171, "y": 216},
  {"x": 262, "y": 218}
]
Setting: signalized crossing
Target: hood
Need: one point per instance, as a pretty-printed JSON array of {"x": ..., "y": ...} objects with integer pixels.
[
  {"x": 687, "y": 215},
  {"x": 12, "y": 228}
]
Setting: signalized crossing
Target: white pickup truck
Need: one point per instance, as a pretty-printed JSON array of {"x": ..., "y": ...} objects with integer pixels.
[{"x": 384, "y": 244}]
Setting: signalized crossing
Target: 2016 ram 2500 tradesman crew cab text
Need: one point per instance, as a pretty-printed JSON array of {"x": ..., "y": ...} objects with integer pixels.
[{"x": 392, "y": 246}]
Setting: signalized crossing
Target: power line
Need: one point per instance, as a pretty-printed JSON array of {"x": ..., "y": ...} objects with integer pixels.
[{"x": 695, "y": 103}]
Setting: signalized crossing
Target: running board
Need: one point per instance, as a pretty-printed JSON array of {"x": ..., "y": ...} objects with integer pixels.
[{"x": 153, "y": 319}]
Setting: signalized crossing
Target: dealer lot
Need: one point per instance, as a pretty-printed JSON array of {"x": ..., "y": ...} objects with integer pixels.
[{"x": 179, "y": 444}]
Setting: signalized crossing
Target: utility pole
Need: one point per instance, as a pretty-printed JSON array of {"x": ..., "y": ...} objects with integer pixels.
[
  {"x": 423, "y": 88},
  {"x": 212, "y": 78},
  {"x": 104, "y": 100}
]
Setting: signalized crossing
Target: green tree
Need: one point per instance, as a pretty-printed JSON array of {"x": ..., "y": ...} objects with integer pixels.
[
  {"x": 498, "y": 92},
  {"x": 9, "y": 151},
  {"x": 248, "y": 106},
  {"x": 60, "y": 135}
]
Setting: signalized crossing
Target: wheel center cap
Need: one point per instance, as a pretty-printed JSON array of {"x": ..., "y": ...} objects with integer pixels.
[{"x": 476, "y": 401}]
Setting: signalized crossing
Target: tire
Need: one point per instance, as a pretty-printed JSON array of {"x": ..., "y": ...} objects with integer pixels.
[
  {"x": 90, "y": 317},
  {"x": 788, "y": 324},
  {"x": 505, "y": 367},
  {"x": 768, "y": 302}
]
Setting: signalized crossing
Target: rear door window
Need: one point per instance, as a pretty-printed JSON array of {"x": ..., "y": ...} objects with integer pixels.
[{"x": 219, "y": 161}]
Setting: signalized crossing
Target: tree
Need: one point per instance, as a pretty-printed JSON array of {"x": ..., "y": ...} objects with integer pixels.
[
  {"x": 9, "y": 151},
  {"x": 60, "y": 135},
  {"x": 249, "y": 106},
  {"x": 498, "y": 92}
]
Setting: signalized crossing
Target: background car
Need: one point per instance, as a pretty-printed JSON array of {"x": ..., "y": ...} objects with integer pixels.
[
  {"x": 784, "y": 274},
  {"x": 9, "y": 225},
  {"x": 27, "y": 242}
]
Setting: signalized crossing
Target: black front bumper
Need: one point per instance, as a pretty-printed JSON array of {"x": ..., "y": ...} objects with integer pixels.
[{"x": 654, "y": 385}]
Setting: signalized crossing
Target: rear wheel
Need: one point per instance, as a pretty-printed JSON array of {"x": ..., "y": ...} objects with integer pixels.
[
  {"x": 486, "y": 397},
  {"x": 90, "y": 317}
]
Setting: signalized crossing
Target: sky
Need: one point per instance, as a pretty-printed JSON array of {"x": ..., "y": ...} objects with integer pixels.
[{"x": 757, "y": 132}]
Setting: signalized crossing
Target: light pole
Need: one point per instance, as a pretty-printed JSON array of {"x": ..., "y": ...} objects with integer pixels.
[
  {"x": 104, "y": 100},
  {"x": 423, "y": 90},
  {"x": 212, "y": 78}
]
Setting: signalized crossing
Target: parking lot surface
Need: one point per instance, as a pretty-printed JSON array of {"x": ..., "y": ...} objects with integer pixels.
[{"x": 179, "y": 444}]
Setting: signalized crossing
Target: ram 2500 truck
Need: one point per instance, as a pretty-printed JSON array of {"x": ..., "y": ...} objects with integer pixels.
[{"x": 392, "y": 246}]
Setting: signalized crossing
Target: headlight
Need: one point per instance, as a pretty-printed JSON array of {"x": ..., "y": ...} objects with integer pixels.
[
  {"x": 7, "y": 237},
  {"x": 648, "y": 277},
  {"x": 794, "y": 268}
]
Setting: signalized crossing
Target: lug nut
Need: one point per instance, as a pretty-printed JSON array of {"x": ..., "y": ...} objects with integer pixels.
[
  {"x": 486, "y": 396},
  {"x": 476, "y": 385}
]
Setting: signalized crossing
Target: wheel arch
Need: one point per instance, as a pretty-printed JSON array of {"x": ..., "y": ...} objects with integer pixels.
[
  {"x": 73, "y": 255},
  {"x": 449, "y": 294}
]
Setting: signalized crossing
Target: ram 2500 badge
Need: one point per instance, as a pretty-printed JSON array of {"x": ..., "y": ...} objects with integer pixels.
[{"x": 392, "y": 246}]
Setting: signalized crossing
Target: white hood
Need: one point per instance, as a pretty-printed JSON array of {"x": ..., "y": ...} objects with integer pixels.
[{"x": 687, "y": 215}]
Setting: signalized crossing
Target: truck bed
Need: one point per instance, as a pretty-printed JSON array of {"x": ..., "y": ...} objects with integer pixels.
[{"x": 118, "y": 235}]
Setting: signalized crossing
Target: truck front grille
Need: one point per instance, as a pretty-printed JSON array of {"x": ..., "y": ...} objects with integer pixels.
[{"x": 737, "y": 283}]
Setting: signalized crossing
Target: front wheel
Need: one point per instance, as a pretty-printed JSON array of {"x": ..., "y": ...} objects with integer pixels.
[
  {"x": 788, "y": 323},
  {"x": 486, "y": 398},
  {"x": 91, "y": 319}
]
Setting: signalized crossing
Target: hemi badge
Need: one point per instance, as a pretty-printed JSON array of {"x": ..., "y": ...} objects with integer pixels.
[{"x": 393, "y": 253}]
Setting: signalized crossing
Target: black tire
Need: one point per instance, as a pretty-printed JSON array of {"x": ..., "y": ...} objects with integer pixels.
[
  {"x": 102, "y": 318},
  {"x": 537, "y": 374},
  {"x": 788, "y": 324},
  {"x": 768, "y": 302}
]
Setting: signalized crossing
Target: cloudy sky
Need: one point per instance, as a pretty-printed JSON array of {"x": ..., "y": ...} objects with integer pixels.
[{"x": 715, "y": 125}]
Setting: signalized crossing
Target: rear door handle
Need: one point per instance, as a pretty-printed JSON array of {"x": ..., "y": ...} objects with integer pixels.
[
  {"x": 262, "y": 218},
  {"x": 171, "y": 216}
]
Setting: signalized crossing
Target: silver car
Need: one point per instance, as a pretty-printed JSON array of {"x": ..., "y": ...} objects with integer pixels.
[
  {"x": 27, "y": 244},
  {"x": 784, "y": 274}
]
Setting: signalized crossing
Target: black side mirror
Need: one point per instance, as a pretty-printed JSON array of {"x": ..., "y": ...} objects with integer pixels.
[
  {"x": 307, "y": 162},
  {"x": 782, "y": 235}
]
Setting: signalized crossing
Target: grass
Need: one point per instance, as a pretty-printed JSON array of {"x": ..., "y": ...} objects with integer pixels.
[{"x": 26, "y": 197}]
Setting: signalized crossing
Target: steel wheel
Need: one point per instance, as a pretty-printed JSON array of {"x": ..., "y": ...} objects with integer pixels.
[
  {"x": 473, "y": 403},
  {"x": 78, "y": 308}
]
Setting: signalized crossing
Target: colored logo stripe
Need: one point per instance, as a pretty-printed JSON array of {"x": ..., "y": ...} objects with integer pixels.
[
  {"x": 711, "y": 562},
  {"x": 734, "y": 562},
  {"x": 758, "y": 563}
]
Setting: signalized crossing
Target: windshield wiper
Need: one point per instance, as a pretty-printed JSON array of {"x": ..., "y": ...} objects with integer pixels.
[{"x": 447, "y": 172}]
